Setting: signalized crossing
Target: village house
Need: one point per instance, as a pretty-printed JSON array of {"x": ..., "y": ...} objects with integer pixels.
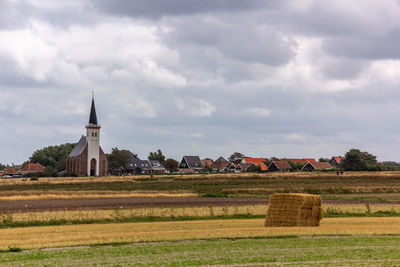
[
  {"x": 157, "y": 166},
  {"x": 137, "y": 166},
  {"x": 301, "y": 161},
  {"x": 190, "y": 164},
  {"x": 390, "y": 163},
  {"x": 240, "y": 167},
  {"x": 231, "y": 167},
  {"x": 220, "y": 165},
  {"x": 317, "y": 166},
  {"x": 260, "y": 162},
  {"x": 31, "y": 168},
  {"x": 335, "y": 161},
  {"x": 206, "y": 162},
  {"x": 279, "y": 166},
  {"x": 11, "y": 172}
]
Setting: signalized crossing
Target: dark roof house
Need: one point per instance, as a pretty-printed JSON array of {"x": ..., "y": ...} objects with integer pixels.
[
  {"x": 190, "y": 163},
  {"x": 157, "y": 166},
  {"x": 137, "y": 166},
  {"x": 243, "y": 166},
  {"x": 390, "y": 163}
]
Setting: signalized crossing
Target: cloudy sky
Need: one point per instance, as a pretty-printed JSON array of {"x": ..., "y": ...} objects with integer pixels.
[{"x": 211, "y": 77}]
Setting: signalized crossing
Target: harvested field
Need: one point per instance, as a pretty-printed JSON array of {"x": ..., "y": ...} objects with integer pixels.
[
  {"x": 56, "y": 236},
  {"x": 151, "y": 214},
  {"x": 48, "y": 194},
  {"x": 326, "y": 184}
]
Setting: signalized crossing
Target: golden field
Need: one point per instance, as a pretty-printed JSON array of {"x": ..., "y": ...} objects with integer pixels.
[
  {"x": 98, "y": 214},
  {"x": 60, "y": 194},
  {"x": 70, "y": 235}
]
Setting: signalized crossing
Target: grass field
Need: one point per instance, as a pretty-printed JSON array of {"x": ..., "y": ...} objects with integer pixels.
[
  {"x": 299, "y": 251},
  {"x": 280, "y": 250}
]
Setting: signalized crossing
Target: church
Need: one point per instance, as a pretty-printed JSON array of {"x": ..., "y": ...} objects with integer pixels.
[{"x": 87, "y": 158}]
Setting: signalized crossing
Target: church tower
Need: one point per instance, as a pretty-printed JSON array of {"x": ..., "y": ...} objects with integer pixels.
[
  {"x": 93, "y": 141},
  {"x": 87, "y": 158}
]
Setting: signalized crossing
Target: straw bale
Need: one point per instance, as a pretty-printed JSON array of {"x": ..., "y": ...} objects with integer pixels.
[
  {"x": 285, "y": 199},
  {"x": 293, "y": 210}
]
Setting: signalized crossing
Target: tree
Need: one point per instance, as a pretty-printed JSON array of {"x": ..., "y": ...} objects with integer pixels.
[
  {"x": 296, "y": 166},
  {"x": 157, "y": 156},
  {"x": 356, "y": 160},
  {"x": 3, "y": 167},
  {"x": 117, "y": 160},
  {"x": 323, "y": 160},
  {"x": 53, "y": 156},
  {"x": 171, "y": 165},
  {"x": 254, "y": 168},
  {"x": 236, "y": 157}
]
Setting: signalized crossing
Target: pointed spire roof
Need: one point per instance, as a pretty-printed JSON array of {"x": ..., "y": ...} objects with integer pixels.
[{"x": 93, "y": 117}]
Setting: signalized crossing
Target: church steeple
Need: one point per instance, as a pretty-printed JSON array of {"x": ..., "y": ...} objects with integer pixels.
[{"x": 93, "y": 117}]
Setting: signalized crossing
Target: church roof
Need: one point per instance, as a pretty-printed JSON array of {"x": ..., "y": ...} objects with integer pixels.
[
  {"x": 93, "y": 117},
  {"x": 79, "y": 147}
]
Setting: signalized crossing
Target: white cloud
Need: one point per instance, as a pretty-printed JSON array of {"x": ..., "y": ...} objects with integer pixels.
[
  {"x": 257, "y": 111},
  {"x": 195, "y": 107}
]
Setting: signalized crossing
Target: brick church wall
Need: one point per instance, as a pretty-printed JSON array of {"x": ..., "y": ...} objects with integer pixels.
[{"x": 78, "y": 164}]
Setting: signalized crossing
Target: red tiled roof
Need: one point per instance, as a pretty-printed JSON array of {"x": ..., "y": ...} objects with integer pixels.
[
  {"x": 33, "y": 167},
  {"x": 206, "y": 162},
  {"x": 338, "y": 159},
  {"x": 321, "y": 165},
  {"x": 254, "y": 160},
  {"x": 282, "y": 164},
  {"x": 11, "y": 171},
  {"x": 258, "y": 162}
]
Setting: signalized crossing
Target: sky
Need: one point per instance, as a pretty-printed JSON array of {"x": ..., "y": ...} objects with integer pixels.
[{"x": 209, "y": 78}]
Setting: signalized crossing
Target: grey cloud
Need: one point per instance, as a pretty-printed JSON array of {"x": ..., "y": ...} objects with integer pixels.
[
  {"x": 13, "y": 14},
  {"x": 344, "y": 68},
  {"x": 159, "y": 8},
  {"x": 364, "y": 47}
]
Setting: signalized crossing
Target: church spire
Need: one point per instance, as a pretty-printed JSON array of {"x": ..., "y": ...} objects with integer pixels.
[{"x": 93, "y": 117}]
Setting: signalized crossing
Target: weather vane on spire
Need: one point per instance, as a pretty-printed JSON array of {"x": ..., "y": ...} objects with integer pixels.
[{"x": 92, "y": 93}]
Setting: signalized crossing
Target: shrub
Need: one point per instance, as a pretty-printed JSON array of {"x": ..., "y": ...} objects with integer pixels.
[{"x": 14, "y": 249}]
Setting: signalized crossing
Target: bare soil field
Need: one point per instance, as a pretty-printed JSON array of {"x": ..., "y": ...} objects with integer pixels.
[
  {"x": 107, "y": 203},
  {"x": 140, "y": 202}
]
